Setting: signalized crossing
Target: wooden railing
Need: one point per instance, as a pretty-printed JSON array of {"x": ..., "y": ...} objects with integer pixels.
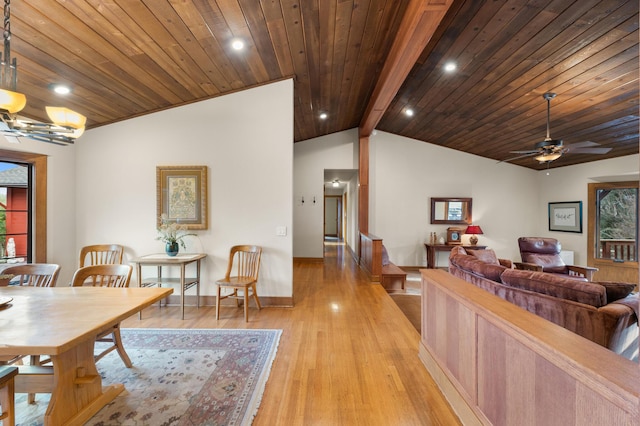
[
  {"x": 370, "y": 256},
  {"x": 498, "y": 364},
  {"x": 625, "y": 250}
]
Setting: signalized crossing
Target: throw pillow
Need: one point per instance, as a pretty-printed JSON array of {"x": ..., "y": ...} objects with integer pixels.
[
  {"x": 385, "y": 256},
  {"x": 616, "y": 291},
  {"x": 487, "y": 256}
]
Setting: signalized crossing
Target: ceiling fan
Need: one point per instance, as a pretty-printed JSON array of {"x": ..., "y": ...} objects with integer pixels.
[{"x": 551, "y": 149}]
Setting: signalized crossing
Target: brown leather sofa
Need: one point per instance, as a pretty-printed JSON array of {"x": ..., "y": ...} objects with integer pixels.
[
  {"x": 543, "y": 255},
  {"x": 603, "y": 312}
]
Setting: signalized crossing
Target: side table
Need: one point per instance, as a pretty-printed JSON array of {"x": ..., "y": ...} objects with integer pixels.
[
  {"x": 181, "y": 260},
  {"x": 433, "y": 248}
]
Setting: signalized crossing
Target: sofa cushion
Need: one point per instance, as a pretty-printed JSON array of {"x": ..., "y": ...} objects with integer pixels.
[
  {"x": 615, "y": 290},
  {"x": 487, "y": 256},
  {"x": 564, "y": 288},
  {"x": 478, "y": 267}
]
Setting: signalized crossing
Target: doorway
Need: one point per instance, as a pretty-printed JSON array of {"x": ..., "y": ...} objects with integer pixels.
[
  {"x": 338, "y": 211},
  {"x": 333, "y": 218}
]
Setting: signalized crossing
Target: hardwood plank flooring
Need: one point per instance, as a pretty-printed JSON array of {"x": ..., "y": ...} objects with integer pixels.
[{"x": 347, "y": 355}]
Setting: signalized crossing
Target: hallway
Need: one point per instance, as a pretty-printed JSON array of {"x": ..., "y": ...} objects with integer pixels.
[{"x": 347, "y": 356}]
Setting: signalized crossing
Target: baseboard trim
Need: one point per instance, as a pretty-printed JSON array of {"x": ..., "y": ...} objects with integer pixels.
[
  {"x": 265, "y": 301},
  {"x": 309, "y": 259}
]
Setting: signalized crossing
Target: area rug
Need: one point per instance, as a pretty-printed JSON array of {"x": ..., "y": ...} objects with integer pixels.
[{"x": 180, "y": 377}]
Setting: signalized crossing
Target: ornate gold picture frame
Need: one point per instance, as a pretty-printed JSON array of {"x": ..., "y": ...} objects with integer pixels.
[{"x": 182, "y": 195}]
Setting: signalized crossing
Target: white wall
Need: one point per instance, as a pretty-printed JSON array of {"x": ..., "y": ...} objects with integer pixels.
[
  {"x": 245, "y": 139},
  {"x": 311, "y": 158},
  {"x": 570, "y": 184},
  {"x": 405, "y": 174}
]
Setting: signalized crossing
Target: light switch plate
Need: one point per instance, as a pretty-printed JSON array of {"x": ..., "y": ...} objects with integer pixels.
[{"x": 281, "y": 231}]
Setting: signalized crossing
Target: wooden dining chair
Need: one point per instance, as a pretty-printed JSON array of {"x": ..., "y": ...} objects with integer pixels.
[
  {"x": 7, "y": 395},
  {"x": 241, "y": 275},
  {"x": 106, "y": 276},
  {"x": 100, "y": 254},
  {"x": 34, "y": 274}
]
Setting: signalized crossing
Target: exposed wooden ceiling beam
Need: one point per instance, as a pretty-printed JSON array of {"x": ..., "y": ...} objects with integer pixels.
[{"x": 418, "y": 26}]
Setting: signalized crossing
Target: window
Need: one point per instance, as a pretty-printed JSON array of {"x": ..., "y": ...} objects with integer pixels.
[
  {"x": 15, "y": 212},
  {"x": 35, "y": 248},
  {"x": 613, "y": 230},
  {"x": 617, "y": 223}
]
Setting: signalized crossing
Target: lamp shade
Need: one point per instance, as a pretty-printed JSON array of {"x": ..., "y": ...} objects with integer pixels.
[
  {"x": 547, "y": 157},
  {"x": 66, "y": 117},
  {"x": 473, "y": 229},
  {"x": 12, "y": 102}
]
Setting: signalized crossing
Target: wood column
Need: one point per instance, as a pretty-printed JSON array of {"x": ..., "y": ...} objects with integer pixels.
[{"x": 363, "y": 189}]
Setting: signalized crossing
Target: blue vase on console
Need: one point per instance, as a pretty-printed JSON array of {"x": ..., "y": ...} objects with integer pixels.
[{"x": 172, "y": 248}]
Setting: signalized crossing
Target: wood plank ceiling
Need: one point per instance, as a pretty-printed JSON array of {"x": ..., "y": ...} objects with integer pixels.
[{"x": 126, "y": 58}]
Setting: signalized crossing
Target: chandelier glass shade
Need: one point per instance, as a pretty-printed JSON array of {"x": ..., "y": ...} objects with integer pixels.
[
  {"x": 67, "y": 125},
  {"x": 548, "y": 157},
  {"x": 12, "y": 102}
]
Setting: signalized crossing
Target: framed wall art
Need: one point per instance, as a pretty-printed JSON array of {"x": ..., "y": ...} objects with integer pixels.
[
  {"x": 566, "y": 217},
  {"x": 182, "y": 195}
]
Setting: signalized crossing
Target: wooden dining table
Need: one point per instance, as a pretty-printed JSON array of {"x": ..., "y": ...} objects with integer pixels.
[{"x": 63, "y": 322}]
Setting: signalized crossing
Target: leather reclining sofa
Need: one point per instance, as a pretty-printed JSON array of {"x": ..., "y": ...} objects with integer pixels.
[{"x": 603, "y": 312}]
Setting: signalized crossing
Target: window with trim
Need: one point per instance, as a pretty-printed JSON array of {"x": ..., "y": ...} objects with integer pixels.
[
  {"x": 616, "y": 222},
  {"x": 38, "y": 209},
  {"x": 15, "y": 212}
]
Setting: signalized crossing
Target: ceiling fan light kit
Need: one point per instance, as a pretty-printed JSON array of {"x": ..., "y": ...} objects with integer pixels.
[
  {"x": 551, "y": 149},
  {"x": 67, "y": 126}
]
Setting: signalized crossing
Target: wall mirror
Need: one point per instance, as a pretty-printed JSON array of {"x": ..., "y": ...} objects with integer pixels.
[{"x": 452, "y": 211}]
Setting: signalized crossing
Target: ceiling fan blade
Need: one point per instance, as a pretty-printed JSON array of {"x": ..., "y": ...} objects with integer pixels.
[
  {"x": 529, "y": 154},
  {"x": 528, "y": 151},
  {"x": 584, "y": 144},
  {"x": 588, "y": 150}
]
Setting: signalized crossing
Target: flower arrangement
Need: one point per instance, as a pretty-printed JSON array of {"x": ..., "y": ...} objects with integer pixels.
[{"x": 172, "y": 232}]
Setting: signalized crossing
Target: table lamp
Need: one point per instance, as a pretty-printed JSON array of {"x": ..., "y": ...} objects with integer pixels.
[{"x": 473, "y": 230}]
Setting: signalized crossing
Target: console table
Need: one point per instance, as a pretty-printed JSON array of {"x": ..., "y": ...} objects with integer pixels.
[
  {"x": 180, "y": 260},
  {"x": 433, "y": 248}
]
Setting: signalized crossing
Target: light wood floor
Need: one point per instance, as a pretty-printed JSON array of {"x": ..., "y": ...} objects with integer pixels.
[{"x": 347, "y": 355}]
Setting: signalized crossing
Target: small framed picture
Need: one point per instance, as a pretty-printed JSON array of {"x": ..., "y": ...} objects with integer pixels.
[
  {"x": 565, "y": 217},
  {"x": 182, "y": 195}
]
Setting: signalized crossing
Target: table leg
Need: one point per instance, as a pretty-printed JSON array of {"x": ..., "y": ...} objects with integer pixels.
[
  {"x": 182, "y": 286},
  {"x": 431, "y": 258},
  {"x": 139, "y": 278},
  {"x": 78, "y": 393},
  {"x": 198, "y": 284}
]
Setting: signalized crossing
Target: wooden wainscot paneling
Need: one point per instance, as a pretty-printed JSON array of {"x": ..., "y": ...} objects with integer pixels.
[
  {"x": 370, "y": 257},
  {"x": 498, "y": 364}
]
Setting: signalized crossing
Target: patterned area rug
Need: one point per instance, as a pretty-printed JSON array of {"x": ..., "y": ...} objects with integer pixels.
[{"x": 180, "y": 377}]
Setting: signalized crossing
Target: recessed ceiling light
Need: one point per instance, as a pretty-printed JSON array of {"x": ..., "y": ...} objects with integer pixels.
[
  {"x": 60, "y": 89},
  {"x": 237, "y": 44},
  {"x": 323, "y": 116},
  {"x": 408, "y": 112},
  {"x": 450, "y": 66}
]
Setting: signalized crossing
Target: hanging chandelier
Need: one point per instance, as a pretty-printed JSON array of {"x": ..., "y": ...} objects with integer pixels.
[{"x": 67, "y": 125}]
